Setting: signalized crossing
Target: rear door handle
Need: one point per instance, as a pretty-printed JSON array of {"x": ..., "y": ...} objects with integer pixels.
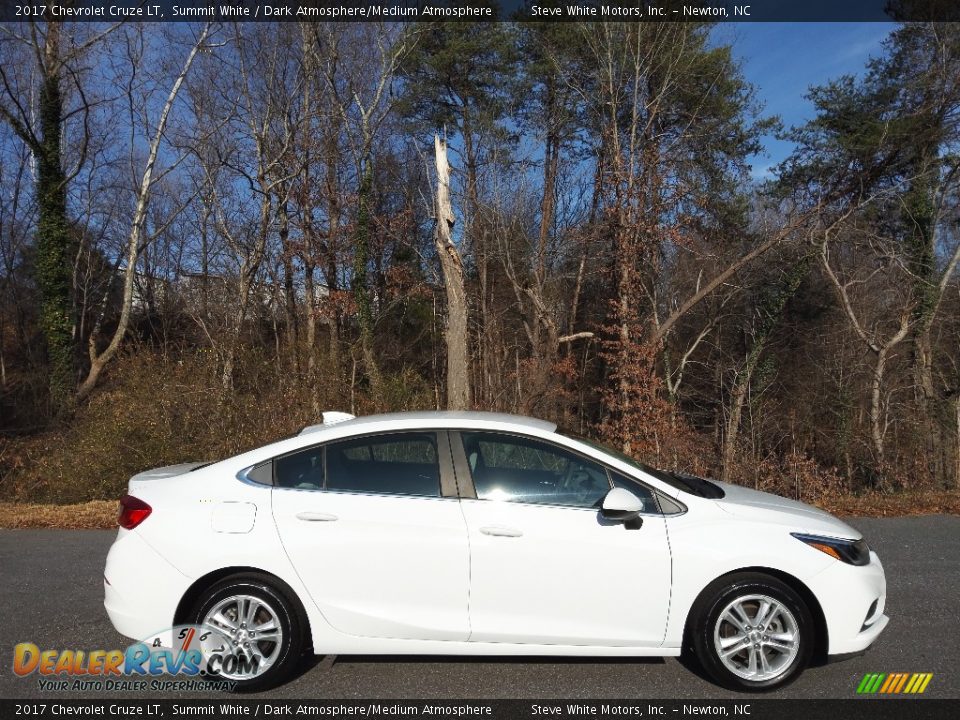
[
  {"x": 316, "y": 517},
  {"x": 501, "y": 531}
]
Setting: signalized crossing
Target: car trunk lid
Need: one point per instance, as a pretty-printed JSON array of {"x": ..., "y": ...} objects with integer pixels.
[{"x": 166, "y": 471}]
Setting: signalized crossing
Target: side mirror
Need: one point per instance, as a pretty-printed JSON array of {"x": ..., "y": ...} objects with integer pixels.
[{"x": 622, "y": 505}]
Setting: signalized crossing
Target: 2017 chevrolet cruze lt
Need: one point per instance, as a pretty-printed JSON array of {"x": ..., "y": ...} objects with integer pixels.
[{"x": 484, "y": 534}]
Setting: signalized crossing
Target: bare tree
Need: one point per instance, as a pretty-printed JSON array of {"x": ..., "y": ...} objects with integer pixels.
[
  {"x": 137, "y": 237},
  {"x": 881, "y": 335},
  {"x": 456, "y": 333},
  {"x": 252, "y": 153},
  {"x": 37, "y": 70},
  {"x": 359, "y": 82}
]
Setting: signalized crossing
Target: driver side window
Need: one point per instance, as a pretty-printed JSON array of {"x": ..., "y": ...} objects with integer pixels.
[{"x": 524, "y": 470}]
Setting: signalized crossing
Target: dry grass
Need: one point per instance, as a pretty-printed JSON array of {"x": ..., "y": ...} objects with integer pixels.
[
  {"x": 103, "y": 513},
  {"x": 95, "y": 514},
  {"x": 924, "y": 502}
]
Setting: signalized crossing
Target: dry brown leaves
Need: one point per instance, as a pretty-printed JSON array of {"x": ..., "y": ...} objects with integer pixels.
[
  {"x": 95, "y": 514},
  {"x": 921, "y": 502}
]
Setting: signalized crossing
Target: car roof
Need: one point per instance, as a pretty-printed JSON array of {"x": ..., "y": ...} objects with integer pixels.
[
  {"x": 444, "y": 418},
  {"x": 388, "y": 422}
]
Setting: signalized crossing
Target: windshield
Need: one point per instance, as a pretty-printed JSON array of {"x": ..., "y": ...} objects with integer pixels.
[{"x": 681, "y": 481}]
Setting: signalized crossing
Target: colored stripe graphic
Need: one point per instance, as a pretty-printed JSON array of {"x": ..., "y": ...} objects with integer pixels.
[{"x": 894, "y": 683}]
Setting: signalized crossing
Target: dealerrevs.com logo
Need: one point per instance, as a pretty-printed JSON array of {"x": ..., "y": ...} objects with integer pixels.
[
  {"x": 894, "y": 683},
  {"x": 199, "y": 656}
]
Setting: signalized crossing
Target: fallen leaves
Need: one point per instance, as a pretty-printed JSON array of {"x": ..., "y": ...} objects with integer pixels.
[
  {"x": 919, "y": 502},
  {"x": 96, "y": 514}
]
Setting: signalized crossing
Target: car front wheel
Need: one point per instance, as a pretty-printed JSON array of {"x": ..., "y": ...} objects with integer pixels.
[{"x": 752, "y": 632}]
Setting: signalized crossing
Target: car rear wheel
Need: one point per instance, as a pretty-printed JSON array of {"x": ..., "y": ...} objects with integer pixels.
[
  {"x": 263, "y": 632},
  {"x": 752, "y": 632}
]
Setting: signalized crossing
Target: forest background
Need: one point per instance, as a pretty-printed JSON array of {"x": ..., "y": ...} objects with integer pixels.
[{"x": 209, "y": 234}]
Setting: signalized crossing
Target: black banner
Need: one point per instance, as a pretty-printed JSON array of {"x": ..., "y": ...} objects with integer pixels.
[
  {"x": 748, "y": 708},
  {"x": 479, "y": 10}
]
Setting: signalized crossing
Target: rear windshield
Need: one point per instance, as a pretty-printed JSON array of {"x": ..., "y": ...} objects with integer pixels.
[{"x": 681, "y": 481}]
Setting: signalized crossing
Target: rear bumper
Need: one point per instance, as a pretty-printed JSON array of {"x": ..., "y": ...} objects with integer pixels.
[
  {"x": 141, "y": 589},
  {"x": 853, "y": 600}
]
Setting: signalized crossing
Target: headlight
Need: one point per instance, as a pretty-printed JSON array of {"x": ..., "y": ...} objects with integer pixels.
[{"x": 852, "y": 552}]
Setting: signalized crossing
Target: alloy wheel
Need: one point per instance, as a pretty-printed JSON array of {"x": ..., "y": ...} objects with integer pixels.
[
  {"x": 254, "y": 628},
  {"x": 756, "y": 637}
]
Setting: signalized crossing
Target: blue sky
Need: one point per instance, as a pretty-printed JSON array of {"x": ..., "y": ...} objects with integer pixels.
[{"x": 783, "y": 60}]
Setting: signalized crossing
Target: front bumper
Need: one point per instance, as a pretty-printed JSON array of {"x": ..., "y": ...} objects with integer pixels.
[{"x": 853, "y": 600}]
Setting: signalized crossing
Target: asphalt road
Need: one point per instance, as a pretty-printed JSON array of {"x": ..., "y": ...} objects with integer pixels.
[{"x": 51, "y": 595}]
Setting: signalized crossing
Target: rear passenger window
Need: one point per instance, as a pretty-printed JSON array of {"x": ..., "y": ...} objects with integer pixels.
[
  {"x": 302, "y": 470},
  {"x": 262, "y": 473},
  {"x": 394, "y": 464}
]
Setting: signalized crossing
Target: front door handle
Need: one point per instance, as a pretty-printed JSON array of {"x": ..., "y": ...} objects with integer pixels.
[
  {"x": 316, "y": 517},
  {"x": 501, "y": 531}
]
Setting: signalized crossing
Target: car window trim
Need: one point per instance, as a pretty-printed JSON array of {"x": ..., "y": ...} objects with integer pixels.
[
  {"x": 465, "y": 487},
  {"x": 558, "y": 506},
  {"x": 657, "y": 494},
  {"x": 448, "y": 477}
]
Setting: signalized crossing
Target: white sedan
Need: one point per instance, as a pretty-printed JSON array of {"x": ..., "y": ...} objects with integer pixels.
[{"x": 484, "y": 534}]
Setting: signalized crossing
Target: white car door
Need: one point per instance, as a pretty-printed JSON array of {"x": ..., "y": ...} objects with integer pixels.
[
  {"x": 546, "y": 567},
  {"x": 382, "y": 551}
]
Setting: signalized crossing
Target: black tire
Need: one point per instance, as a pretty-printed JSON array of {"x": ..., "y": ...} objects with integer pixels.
[
  {"x": 703, "y": 630},
  {"x": 290, "y": 619}
]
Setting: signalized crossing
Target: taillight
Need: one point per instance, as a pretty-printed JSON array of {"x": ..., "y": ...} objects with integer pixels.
[{"x": 133, "y": 511}]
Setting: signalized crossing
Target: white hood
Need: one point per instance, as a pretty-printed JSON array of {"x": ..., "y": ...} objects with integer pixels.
[{"x": 753, "y": 504}]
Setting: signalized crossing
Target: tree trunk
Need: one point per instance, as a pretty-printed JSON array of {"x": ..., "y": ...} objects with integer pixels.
[
  {"x": 919, "y": 215},
  {"x": 456, "y": 331},
  {"x": 310, "y": 329},
  {"x": 547, "y": 210},
  {"x": 361, "y": 292},
  {"x": 956, "y": 458},
  {"x": 55, "y": 247},
  {"x": 289, "y": 295},
  {"x": 328, "y": 258},
  {"x": 732, "y": 429},
  {"x": 477, "y": 244},
  {"x": 877, "y": 430}
]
